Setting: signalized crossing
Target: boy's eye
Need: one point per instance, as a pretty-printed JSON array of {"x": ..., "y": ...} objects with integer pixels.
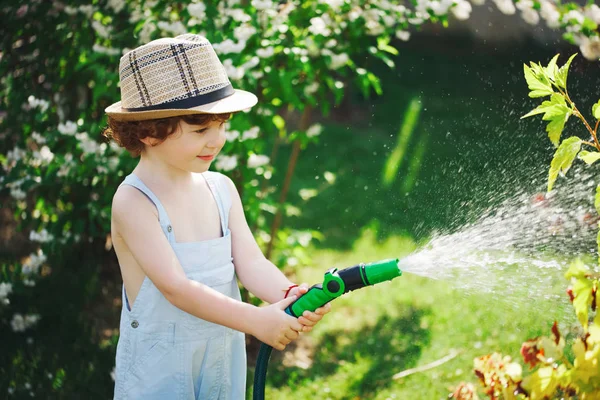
[{"x": 201, "y": 130}]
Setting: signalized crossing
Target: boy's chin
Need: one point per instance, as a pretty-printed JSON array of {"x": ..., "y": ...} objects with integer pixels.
[{"x": 200, "y": 169}]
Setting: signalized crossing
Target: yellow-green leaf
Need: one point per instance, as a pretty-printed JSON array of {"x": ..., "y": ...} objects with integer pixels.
[
  {"x": 540, "y": 86},
  {"x": 589, "y": 157},
  {"x": 563, "y": 159},
  {"x": 541, "y": 384},
  {"x": 582, "y": 290},
  {"x": 596, "y": 110},
  {"x": 577, "y": 269},
  {"x": 561, "y": 76},
  {"x": 551, "y": 69}
]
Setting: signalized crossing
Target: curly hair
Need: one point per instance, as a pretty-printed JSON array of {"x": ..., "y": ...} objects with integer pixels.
[{"x": 128, "y": 134}]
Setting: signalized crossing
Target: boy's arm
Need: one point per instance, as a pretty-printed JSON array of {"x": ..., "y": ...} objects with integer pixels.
[
  {"x": 136, "y": 220},
  {"x": 259, "y": 275}
]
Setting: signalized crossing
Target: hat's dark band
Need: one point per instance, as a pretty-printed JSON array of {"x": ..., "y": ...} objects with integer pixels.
[{"x": 190, "y": 102}]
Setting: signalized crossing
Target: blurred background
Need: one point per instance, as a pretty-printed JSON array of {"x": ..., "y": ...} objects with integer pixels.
[{"x": 379, "y": 125}]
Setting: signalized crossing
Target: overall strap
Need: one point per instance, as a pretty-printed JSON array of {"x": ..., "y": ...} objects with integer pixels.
[
  {"x": 165, "y": 223},
  {"x": 218, "y": 186}
]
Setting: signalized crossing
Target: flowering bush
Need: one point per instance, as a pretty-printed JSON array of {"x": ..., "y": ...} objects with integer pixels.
[
  {"x": 58, "y": 64},
  {"x": 556, "y": 374}
]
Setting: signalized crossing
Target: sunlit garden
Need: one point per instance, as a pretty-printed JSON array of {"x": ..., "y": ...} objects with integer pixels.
[{"x": 458, "y": 136}]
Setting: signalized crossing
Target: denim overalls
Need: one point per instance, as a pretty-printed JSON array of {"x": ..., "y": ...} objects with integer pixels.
[{"x": 165, "y": 353}]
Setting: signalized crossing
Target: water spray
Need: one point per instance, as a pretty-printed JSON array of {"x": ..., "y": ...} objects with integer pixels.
[{"x": 335, "y": 284}]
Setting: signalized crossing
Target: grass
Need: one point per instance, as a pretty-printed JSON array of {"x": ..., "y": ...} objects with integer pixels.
[{"x": 376, "y": 332}]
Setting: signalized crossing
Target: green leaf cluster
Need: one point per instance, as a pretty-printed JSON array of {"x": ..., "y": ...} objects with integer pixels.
[{"x": 542, "y": 82}]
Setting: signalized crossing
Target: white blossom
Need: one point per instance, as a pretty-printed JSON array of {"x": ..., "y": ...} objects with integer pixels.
[
  {"x": 442, "y": 7},
  {"x": 233, "y": 72},
  {"x": 462, "y": 10},
  {"x": 590, "y": 48},
  {"x": 374, "y": 27},
  {"x": 70, "y": 10},
  {"x": 478, "y": 2},
  {"x": 226, "y": 163},
  {"x": 5, "y": 290},
  {"x": 197, "y": 10},
  {"x": 106, "y": 50},
  {"x": 238, "y": 15},
  {"x": 574, "y": 15},
  {"x": 304, "y": 238},
  {"x": 176, "y": 28},
  {"x": 311, "y": 88},
  {"x": 530, "y": 16},
  {"x": 593, "y": 13},
  {"x": 20, "y": 323},
  {"x": 354, "y": 14},
  {"x": 251, "y": 133},
  {"x": 262, "y": 4},
  {"x": 230, "y": 136},
  {"x": 229, "y": 46},
  {"x": 338, "y": 60},
  {"x": 42, "y": 237},
  {"x": 251, "y": 63},
  {"x": 505, "y": 6},
  {"x": 116, "y": 5},
  {"x": 88, "y": 145},
  {"x": 34, "y": 262},
  {"x": 100, "y": 29},
  {"x": 265, "y": 52},
  {"x": 38, "y": 103},
  {"x": 17, "y": 193},
  {"x": 112, "y": 374},
  {"x": 69, "y": 128},
  {"x": 314, "y": 130},
  {"x": 403, "y": 35},
  {"x": 15, "y": 155},
  {"x": 45, "y": 155},
  {"x": 550, "y": 14},
  {"x": 28, "y": 282},
  {"x": 255, "y": 161},
  {"x": 307, "y": 194},
  {"x": 39, "y": 139},
  {"x": 244, "y": 32},
  {"x": 88, "y": 10},
  {"x": 318, "y": 26},
  {"x": 147, "y": 29}
]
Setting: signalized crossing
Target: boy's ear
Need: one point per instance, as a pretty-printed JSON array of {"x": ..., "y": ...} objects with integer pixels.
[{"x": 149, "y": 141}]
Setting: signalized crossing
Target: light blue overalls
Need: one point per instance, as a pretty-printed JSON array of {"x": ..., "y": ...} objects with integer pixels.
[{"x": 165, "y": 353}]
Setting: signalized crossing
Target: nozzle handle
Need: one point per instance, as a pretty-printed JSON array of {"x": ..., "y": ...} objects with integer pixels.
[{"x": 314, "y": 298}]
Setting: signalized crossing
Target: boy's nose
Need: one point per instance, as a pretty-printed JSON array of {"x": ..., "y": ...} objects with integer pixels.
[{"x": 218, "y": 138}]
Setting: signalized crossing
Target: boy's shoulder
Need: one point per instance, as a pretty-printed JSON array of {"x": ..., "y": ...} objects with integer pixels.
[
  {"x": 219, "y": 178},
  {"x": 128, "y": 198}
]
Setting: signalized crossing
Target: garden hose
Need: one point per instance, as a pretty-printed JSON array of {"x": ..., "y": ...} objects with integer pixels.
[{"x": 335, "y": 283}]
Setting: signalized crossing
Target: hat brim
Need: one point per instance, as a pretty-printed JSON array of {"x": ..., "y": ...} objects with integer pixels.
[{"x": 239, "y": 101}]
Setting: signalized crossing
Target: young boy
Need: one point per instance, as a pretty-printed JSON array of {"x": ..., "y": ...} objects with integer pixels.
[{"x": 181, "y": 237}]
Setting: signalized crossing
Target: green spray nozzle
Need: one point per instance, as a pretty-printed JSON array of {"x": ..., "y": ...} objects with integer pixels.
[{"x": 337, "y": 282}]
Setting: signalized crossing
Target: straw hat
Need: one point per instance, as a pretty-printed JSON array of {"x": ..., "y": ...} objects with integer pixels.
[{"x": 175, "y": 76}]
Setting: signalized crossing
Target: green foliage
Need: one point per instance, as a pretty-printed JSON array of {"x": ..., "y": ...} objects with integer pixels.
[
  {"x": 563, "y": 159},
  {"x": 555, "y": 374}
]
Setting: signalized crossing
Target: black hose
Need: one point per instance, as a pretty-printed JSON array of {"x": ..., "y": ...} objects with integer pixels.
[{"x": 260, "y": 373}]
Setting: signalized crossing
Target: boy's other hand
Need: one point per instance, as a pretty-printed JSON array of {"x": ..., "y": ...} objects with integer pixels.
[{"x": 309, "y": 319}]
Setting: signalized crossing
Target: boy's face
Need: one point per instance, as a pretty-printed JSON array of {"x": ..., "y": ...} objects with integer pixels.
[{"x": 193, "y": 147}]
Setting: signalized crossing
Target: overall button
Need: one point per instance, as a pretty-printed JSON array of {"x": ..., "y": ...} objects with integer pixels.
[
  {"x": 169, "y": 228},
  {"x": 135, "y": 324}
]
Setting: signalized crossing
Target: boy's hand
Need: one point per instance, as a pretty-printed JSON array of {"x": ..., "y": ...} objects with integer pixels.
[
  {"x": 274, "y": 327},
  {"x": 309, "y": 319}
]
